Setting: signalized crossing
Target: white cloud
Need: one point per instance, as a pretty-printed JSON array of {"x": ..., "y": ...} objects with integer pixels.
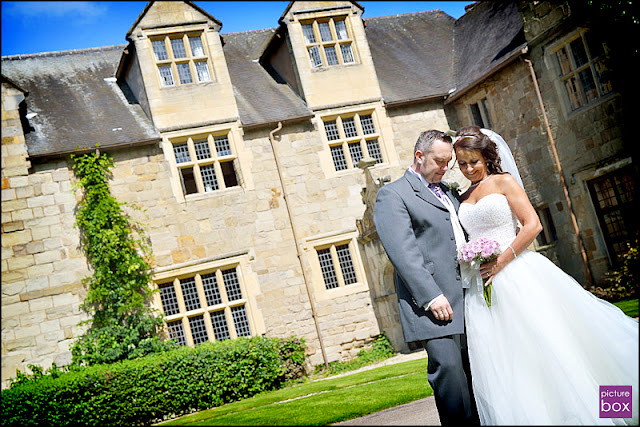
[{"x": 83, "y": 10}]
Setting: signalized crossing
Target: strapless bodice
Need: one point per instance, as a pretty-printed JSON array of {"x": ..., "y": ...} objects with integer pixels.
[{"x": 490, "y": 217}]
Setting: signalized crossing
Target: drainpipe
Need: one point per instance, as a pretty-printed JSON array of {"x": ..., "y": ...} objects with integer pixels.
[
  {"x": 298, "y": 248},
  {"x": 576, "y": 229}
]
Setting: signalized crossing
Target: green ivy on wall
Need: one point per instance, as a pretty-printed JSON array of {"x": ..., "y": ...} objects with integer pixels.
[{"x": 121, "y": 325}]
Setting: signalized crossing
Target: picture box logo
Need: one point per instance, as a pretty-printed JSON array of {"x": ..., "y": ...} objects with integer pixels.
[{"x": 615, "y": 401}]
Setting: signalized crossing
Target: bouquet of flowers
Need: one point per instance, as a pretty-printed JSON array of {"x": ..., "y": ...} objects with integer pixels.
[{"x": 478, "y": 252}]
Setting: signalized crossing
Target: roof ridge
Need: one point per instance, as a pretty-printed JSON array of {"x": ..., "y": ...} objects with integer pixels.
[
  {"x": 250, "y": 31},
  {"x": 408, "y": 13},
  {"x": 63, "y": 52}
]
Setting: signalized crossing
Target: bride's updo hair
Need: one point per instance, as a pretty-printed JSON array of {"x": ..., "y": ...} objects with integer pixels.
[{"x": 471, "y": 138}]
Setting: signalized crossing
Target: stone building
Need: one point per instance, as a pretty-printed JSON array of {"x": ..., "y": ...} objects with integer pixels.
[{"x": 244, "y": 151}]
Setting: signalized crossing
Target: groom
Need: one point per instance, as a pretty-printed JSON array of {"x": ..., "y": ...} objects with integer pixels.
[{"x": 416, "y": 220}]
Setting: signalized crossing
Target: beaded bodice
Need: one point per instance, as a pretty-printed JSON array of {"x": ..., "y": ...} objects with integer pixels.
[{"x": 490, "y": 217}]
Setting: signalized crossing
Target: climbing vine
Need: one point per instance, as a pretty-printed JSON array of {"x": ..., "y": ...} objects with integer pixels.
[{"x": 121, "y": 324}]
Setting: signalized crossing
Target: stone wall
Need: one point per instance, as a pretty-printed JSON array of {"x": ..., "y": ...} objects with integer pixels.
[
  {"x": 589, "y": 139},
  {"x": 42, "y": 267}
]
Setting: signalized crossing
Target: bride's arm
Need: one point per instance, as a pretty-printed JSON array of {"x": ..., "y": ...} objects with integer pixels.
[{"x": 526, "y": 214}]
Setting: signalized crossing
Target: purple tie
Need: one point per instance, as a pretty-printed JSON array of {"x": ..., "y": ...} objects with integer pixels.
[{"x": 437, "y": 190}]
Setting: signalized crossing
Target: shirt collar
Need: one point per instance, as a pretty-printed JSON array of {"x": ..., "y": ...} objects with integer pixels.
[{"x": 420, "y": 177}]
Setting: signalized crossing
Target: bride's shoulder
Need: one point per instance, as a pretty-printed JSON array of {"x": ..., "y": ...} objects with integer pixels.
[{"x": 505, "y": 180}]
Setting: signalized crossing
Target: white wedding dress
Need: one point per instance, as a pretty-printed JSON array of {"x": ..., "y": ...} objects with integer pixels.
[{"x": 540, "y": 352}]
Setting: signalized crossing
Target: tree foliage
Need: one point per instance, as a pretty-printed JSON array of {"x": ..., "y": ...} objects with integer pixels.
[{"x": 122, "y": 325}]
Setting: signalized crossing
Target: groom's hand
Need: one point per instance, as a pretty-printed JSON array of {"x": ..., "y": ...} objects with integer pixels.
[{"x": 441, "y": 309}]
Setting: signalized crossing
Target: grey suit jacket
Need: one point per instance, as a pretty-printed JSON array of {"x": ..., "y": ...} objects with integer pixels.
[{"x": 415, "y": 230}]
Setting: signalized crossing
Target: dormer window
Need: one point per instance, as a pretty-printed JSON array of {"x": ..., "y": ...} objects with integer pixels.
[
  {"x": 181, "y": 59},
  {"x": 328, "y": 42}
]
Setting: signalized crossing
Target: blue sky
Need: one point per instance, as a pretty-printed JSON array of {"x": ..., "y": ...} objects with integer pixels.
[{"x": 45, "y": 26}]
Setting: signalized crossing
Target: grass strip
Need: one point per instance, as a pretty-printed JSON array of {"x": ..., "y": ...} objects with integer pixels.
[
  {"x": 629, "y": 307},
  {"x": 323, "y": 402}
]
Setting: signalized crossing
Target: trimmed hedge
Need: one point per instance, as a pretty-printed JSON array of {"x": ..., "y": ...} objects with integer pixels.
[{"x": 158, "y": 387}]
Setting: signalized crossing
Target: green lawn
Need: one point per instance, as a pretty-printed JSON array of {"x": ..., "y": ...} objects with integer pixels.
[
  {"x": 630, "y": 307},
  {"x": 334, "y": 399},
  {"x": 323, "y": 402}
]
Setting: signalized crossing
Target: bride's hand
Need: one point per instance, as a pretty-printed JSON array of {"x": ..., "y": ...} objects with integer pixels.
[{"x": 491, "y": 268}]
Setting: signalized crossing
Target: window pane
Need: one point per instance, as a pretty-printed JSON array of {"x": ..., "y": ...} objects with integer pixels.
[
  {"x": 166, "y": 75},
  {"x": 314, "y": 55},
  {"x": 198, "y": 329},
  {"x": 159, "y": 50},
  {"x": 190, "y": 293},
  {"x": 330, "y": 52},
  {"x": 625, "y": 187},
  {"x": 347, "y": 54},
  {"x": 374, "y": 150},
  {"x": 579, "y": 53},
  {"x": 346, "y": 264},
  {"x": 588, "y": 85},
  {"x": 367, "y": 124},
  {"x": 325, "y": 31},
  {"x": 203, "y": 72},
  {"x": 231, "y": 284},
  {"x": 176, "y": 332},
  {"x": 339, "y": 160},
  {"x": 211, "y": 291},
  {"x": 229, "y": 174},
  {"x": 241, "y": 321},
  {"x": 196, "y": 46},
  {"x": 484, "y": 112},
  {"x": 182, "y": 152},
  {"x": 572, "y": 91},
  {"x": 341, "y": 30},
  {"x": 188, "y": 181},
  {"x": 169, "y": 299},
  {"x": 356, "y": 153},
  {"x": 349, "y": 126},
  {"x": 606, "y": 195},
  {"x": 328, "y": 271},
  {"x": 220, "y": 326},
  {"x": 209, "y": 179},
  {"x": 202, "y": 149},
  {"x": 307, "y": 31},
  {"x": 563, "y": 61},
  {"x": 178, "y": 48},
  {"x": 185, "y": 73},
  {"x": 332, "y": 130},
  {"x": 477, "y": 117},
  {"x": 222, "y": 145},
  {"x": 602, "y": 74}
]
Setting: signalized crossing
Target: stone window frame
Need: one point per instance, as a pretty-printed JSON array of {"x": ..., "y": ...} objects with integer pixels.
[
  {"x": 579, "y": 100},
  {"x": 335, "y": 42},
  {"x": 248, "y": 289},
  {"x": 618, "y": 211},
  {"x": 331, "y": 241},
  {"x": 197, "y": 164},
  {"x": 479, "y": 112},
  {"x": 548, "y": 237},
  {"x": 347, "y": 142},
  {"x": 175, "y": 65}
]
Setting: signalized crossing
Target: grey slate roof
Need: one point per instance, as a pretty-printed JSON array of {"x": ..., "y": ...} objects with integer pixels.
[
  {"x": 75, "y": 106},
  {"x": 412, "y": 54},
  {"x": 485, "y": 37},
  {"x": 260, "y": 98}
]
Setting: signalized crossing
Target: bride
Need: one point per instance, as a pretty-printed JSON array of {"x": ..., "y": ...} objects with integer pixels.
[{"x": 540, "y": 352}]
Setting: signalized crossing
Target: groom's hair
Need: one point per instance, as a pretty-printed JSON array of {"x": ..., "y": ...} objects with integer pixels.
[{"x": 426, "y": 140}]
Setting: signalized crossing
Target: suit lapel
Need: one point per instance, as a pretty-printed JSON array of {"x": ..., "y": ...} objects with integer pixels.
[{"x": 423, "y": 192}]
